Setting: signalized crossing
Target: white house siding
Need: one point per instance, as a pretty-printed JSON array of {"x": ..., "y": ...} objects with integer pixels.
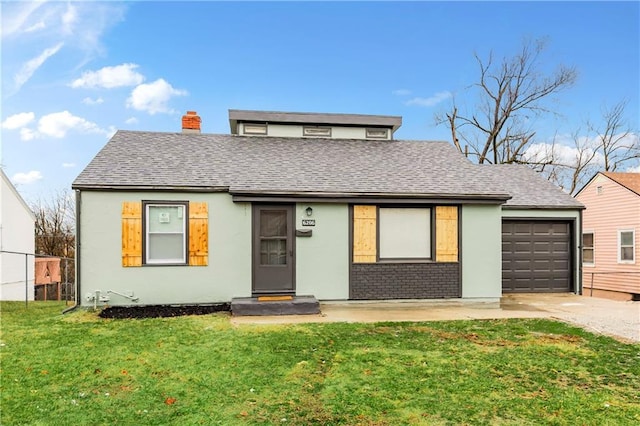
[
  {"x": 322, "y": 260},
  {"x": 570, "y": 215},
  {"x": 481, "y": 251},
  {"x": 17, "y": 234},
  {"x": 227, "y": 275}
]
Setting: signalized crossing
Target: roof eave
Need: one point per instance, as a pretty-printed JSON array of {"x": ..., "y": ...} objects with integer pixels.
[
  {"x": 165, "y": 188},
  {"x": 250, "y": 195},
  {"x": 542, "y": 207},
  {"x": 238, "y": 116}
]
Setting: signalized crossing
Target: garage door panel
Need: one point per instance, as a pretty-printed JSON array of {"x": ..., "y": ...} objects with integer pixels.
[{"x": 536, "y": 256}]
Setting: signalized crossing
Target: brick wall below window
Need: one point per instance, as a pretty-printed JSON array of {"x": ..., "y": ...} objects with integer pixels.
[{"x": 375, "y": 281}]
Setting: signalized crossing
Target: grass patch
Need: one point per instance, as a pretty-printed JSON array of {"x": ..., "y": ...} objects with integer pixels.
[{"x": 82, "y": 369}]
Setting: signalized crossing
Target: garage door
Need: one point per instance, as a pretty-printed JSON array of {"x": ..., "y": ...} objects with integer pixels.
[{"x": 536, "y": 256}]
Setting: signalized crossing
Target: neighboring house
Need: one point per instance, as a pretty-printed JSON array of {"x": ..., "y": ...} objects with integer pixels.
[
  {"x": 328, "y": 205},
  {"x": 610, "y": 235},
  {"x": 48, "y": 278},
  {"x": 17, "y": 236}
]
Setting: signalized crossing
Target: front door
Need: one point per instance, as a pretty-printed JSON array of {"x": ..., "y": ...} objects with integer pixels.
[{"x": 273, "y": 251}]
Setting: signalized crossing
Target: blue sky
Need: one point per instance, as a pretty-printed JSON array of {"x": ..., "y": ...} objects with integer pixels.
[{"x": 73, "y": 73}]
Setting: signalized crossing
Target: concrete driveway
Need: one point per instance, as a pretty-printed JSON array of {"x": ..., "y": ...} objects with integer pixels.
[{"x": 614, "y": 318}]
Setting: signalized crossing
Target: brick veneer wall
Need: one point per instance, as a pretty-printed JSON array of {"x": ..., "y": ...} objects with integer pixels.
[{"x": 371, "y": 281}]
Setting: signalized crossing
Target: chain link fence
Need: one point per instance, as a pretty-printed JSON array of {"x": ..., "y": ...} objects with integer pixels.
[{"x": 19, "y": 278}]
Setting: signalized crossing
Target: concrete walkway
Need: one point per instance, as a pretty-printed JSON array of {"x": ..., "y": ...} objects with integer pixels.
[{"x": 614, "y": 318}]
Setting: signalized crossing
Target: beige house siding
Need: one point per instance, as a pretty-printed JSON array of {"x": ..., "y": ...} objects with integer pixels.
[{"x": 610, "y": 209}]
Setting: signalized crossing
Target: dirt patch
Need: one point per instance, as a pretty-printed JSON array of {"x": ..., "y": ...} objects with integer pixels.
[{"x": 158, "y": 311}]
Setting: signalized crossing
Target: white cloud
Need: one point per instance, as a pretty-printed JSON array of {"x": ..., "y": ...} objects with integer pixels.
[
  {"x": 68, "y": 165},
  {"x": 69, "y": 18},
  {"x": 633, "y": 169},
  {"x": 17, "y": 121},
  {"x": 131, "y": 120},
  {"x": 27, "y": 134},
  {"x": 40, "y": 25},
  {"x": 561, "y": 154},
  {"x": 153, "y": 97},
  {"x": 58, "y": 124},
  {"x": 30, "y": 67},
  {"x": 401, "y": 92},
  {"x": 110, "y": 132},
  {"x": 89, "y": 101},
  {"x": 16, "y": 14},
  {"x": 27, "y": 178},
  {"x": 430, "y": 101},
  {"x": 110, "y": 77}
]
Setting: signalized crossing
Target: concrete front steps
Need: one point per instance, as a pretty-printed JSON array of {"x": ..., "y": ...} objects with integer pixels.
[{"x": 274, "y": 305}]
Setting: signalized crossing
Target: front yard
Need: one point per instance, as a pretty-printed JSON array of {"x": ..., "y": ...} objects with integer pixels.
[{"x": 81, "y": 369}]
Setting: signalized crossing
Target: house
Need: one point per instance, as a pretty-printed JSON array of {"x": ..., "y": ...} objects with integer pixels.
[
  {"x": 611, "y": 264},
  {"x": 48, "y": 278},
  {"x": 17, "y": 244},
  {"x": 325, "y": 205}
]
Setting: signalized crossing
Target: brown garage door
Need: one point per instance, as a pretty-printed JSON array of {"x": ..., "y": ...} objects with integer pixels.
[{"x": 536, "y": 256}]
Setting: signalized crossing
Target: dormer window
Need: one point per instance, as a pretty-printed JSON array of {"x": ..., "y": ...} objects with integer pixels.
[
  {"x": 313, "y": 125},
  {"x": 316, "y": 131},
  {"x": 377, "y": 134},
  {"x": 255, "y": 129}
]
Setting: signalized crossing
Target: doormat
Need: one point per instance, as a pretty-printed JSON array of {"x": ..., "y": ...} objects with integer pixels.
[{"x": 274, "y": 298}]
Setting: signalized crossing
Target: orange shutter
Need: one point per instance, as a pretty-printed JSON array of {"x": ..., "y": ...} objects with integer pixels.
[
  {"x": 364, "y": 234},
  {"x": 198, "y": 234},
  {"x": 446, "y": 234},
  {"x": 132, "y": 233}
]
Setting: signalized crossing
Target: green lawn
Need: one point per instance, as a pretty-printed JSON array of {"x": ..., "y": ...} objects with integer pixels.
[{"x": 81, "y": 369}]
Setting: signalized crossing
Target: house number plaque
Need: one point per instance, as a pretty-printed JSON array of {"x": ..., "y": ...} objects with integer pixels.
[{"x": 308, "y": 222}]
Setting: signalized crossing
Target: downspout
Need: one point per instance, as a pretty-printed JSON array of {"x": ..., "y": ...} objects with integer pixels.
[{"x": 77, "y": 254}]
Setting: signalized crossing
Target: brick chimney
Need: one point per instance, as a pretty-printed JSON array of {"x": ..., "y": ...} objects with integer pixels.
[{"x": 191, "y": 122}]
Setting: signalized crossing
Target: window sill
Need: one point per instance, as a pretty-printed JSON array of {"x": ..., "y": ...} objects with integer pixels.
[{"x": 165, "y": 264}]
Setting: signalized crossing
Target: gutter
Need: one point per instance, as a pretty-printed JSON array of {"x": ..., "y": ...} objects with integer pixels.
[
  {"x": 542, "y": 207},
  {"x": 167, "y": 188},
  {"x": 333, "y": 197}
]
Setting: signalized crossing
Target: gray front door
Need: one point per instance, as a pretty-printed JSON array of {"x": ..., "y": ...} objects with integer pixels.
[{"x": 273, "y": 251}]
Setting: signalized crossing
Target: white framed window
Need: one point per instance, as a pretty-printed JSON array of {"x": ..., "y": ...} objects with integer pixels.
[
  {"x": 588, "y": 248},
  {"x": 626, "y": 246},
  {"x": 316, "y": 131},
  {"x": 165, "y": 236},
  {"x": 377, "y": 133},
  {"x": 405, "y": 233},
  {"x": 254, "y": 129}
]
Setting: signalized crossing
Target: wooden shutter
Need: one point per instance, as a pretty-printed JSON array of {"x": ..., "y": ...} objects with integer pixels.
[
  {"x": 132, "y": 233},
  {"x": 198, "y": 234},
  {"x": 364, "y": 234},
  {"x": 446, "y": 234}
]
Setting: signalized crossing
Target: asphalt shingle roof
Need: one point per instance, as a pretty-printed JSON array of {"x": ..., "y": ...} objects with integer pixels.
[
  {"x": 629, "y": 180},
  {"x": 288, "y": 166},
  {"x": 529, "y": 189}
]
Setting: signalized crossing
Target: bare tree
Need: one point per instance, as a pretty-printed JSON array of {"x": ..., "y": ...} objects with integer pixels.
[
  {"x": 568, "y": 166},
  {"x": 55, "y": 225},
  {"x": 511, "y": 94},
  {"x": 609, "y": 145},
  {"x": 615, "y": 140},
  {"x": 55, "y": 234}
]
